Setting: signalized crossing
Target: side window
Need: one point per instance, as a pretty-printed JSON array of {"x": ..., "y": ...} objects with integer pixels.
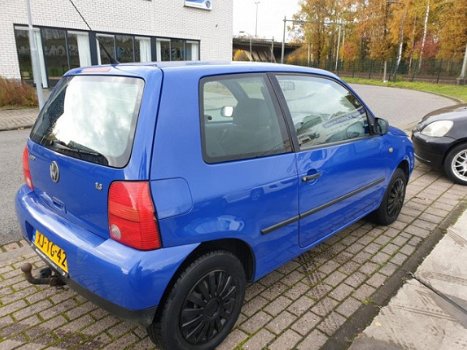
[
  {"x": 239, "y": 119},
  {"x": 322, "y": 110}
]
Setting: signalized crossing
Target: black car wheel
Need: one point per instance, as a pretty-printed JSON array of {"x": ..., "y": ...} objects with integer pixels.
[
  {"x": 455, "y": 164},
  {"x": 203, "y": 305},
  {"x": 393, "y": 200}
]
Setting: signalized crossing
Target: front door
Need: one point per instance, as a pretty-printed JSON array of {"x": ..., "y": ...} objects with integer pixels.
[{"x": 341, "y": 165}]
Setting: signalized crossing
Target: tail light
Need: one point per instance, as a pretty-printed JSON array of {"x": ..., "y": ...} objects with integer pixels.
[
  {"x": 26, "y": 170},
  {"x": 132, "y": 219}
]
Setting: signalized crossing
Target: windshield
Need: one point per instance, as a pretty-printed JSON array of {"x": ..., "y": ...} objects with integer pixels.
[{"x": 92, "y": 118}]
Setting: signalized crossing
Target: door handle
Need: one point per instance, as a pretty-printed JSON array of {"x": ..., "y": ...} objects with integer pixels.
[{"x": 308, "y": 178}]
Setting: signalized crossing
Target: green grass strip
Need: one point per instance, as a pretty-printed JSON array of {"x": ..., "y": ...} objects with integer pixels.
[{"x": 458, "y": 92}]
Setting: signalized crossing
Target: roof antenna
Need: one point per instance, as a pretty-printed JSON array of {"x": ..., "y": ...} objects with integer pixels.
[{"x": 109, "y": 56}]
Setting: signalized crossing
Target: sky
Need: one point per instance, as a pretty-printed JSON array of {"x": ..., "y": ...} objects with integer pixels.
[{"x": 270, "y": 16}]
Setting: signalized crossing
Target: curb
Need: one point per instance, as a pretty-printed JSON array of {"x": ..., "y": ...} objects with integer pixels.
[
  {"x": 20, "y": 127},
  {"x": 12, "y": 118},
  {"x": 363, "y": 317}
]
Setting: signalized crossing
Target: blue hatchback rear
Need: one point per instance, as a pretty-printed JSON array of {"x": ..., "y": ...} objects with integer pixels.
[{"x": 158, "y": 191}]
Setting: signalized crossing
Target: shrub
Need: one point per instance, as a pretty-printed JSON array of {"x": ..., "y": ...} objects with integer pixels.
[
  {"x": 15, "y": 93},
  {"x": 241, "y": 55}
]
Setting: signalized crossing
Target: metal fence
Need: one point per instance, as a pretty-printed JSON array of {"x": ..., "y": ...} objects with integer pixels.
[{"x": 431, "y": 70}]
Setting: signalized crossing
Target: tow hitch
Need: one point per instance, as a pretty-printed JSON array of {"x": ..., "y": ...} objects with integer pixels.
[{"x": 47, "y": 276}]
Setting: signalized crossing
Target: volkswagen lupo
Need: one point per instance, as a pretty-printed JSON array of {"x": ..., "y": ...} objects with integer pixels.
[{"x": 158, "y": 191}]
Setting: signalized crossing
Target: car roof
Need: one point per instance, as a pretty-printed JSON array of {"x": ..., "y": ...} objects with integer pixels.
[{"x": 206, "y": 67}]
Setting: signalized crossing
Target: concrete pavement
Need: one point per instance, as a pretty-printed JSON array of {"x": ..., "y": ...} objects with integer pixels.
[
  {"x": 12, "y": 119},
  {"x": 430, "y": 310}
]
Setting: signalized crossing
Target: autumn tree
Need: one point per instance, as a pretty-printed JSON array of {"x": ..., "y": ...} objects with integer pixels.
[
  {"x": 382, "y": 30},
  {"x": 314, "y": 14},
  {"x": 452, "y": 29}
]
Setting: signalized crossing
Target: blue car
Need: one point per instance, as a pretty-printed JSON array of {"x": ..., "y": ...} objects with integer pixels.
[{"x": 159, "y": 190}]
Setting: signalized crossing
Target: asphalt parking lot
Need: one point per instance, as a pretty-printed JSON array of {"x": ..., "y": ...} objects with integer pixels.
[{"x": 319, "y": 300}]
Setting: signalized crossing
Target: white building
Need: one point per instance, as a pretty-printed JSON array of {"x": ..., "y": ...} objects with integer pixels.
[{"x": 130, "y": 30}]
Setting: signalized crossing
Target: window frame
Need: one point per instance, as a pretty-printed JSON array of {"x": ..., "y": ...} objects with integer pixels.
[
  {"x": 288, "y": 115},
  {"x": 282, "y": 121}
]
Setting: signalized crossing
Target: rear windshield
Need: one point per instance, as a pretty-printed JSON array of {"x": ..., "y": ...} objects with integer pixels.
[{"x": 92, "y": 118}]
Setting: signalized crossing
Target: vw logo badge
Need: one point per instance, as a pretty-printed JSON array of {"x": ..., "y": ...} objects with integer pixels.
[{"x": 54, "y": 171}]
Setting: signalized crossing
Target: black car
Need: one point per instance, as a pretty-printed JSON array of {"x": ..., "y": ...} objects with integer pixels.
[{"x": 440, "y": 140}]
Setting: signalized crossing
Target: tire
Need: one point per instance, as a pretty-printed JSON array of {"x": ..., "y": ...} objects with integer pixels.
[
  {"x": 393, "y": 200},
  {"x": 203, "y": 304},
  {"x": 455, "y": 164}
]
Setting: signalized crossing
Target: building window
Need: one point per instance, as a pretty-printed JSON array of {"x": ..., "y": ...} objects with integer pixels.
[
  {"x": 55, "y": 50},
  {"x": 78, "y": 49},
  {"x": 24, "y": 54},
  {"x": 177, "y": 50},
  {"x": 163, "y": 49},
  {"x": 143, "y": 49},
  {"x": 125, "y": 48},
  {"x": 192, "y": 51},
  {"x": 105, "y": 43}
]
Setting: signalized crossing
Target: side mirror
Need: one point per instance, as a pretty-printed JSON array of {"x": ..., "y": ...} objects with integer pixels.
[
  {"x": 227, "y": 111},
  {"x": 381, "y": 126}
]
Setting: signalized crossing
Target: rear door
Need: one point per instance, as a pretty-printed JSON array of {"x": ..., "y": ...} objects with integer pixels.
[
  {"x": 81, "y": 142},
  {"x": 341, "y": 166}
]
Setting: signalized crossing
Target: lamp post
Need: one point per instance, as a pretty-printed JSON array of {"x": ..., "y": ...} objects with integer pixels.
[
  {"x": 297, "y": 21},
  {"x": 256, "y": 22},
  {"x": 283, "y": 40},
  {"x": 36, "y": 72},
  {"x": 338, "y": 44}
]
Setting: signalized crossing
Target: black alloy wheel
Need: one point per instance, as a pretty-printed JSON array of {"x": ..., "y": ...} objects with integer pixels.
[
  {"x": 203, "y": 304},
  {"x": 208, "y": 307},
  {"x": 396, "y": 197},
  {"x": 393, "y": 200}
]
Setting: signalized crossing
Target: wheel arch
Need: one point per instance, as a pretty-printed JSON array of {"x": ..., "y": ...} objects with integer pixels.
[
  {"x": 237, "y": 247},
  {"x": 405, "y": 167},
  {"x": 453, "y": 145}
]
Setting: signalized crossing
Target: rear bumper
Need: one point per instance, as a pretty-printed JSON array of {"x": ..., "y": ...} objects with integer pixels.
[
  {"x": 431, "y": 150},
  {"x": 143, "y": 317},
  {"x": 127, "y": 282}
]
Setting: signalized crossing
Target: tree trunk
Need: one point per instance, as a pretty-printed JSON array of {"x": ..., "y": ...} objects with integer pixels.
[
  {"x": 412, "y": 49},
  {"x": 425, "y": 30},
  {"x": 401, "y": 43}
]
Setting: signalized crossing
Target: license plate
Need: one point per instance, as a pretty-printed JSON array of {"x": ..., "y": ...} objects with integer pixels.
[{"x": 51, "y": 250}]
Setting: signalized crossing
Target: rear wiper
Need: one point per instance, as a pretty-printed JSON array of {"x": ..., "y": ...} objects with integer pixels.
[{"x": 79, "y": 149}]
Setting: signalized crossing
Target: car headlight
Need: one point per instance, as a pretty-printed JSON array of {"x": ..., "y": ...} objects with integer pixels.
[{"x": 437, "y": 129}]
